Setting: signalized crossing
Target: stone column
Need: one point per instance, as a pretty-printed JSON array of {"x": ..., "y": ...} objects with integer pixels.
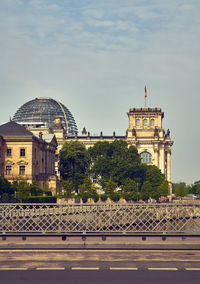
[
  {"x": 169, "y": 170},
  {"x": 169, "y": 165},
  {"x": 156, "y": 159},
  {"x": 162, "y": 159}
]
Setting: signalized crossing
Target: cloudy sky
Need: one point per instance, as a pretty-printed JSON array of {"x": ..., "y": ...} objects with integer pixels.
[{"x": 96, "y": 56}]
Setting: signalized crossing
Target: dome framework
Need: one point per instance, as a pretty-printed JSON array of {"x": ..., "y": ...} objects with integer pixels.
[{"x": 45, "y": 110}]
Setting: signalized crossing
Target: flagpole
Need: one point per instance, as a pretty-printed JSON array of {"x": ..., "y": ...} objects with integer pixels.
[{"x": 145, "y": 95}]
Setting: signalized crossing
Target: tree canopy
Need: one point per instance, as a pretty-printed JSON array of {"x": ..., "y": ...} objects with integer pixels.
[
  {"x": 114, "y": 161},
  {"x": 22, "y": 191},
  {"x": 180, "y": 190},
  {"x": 74, "y": 162},
  {"x": 115, "y": 166}
]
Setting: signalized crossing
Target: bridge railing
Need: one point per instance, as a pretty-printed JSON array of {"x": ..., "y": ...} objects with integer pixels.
[{"x": 116, "y": 218}]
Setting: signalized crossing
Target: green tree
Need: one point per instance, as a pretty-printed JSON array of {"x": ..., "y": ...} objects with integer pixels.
[
  {"x": 87, "y": 189},
  {"x": 5, "y": 187},
  {"x": 36, "y": 191},
  {"x": 194, "y": 189},
  {"x": 113, "y": 161},
  {"x": 67, "y": 188},
  {"x": 180, "y": 190},
  {"x": 74, "y": 163},
  {"x": 110, "y": 187},
  {"x": 130, "y": 189},
  {"x": 153, "y": 175},
  {"x": 163, "y": 188},
  {"x": 198, "y": 189},
  {"x": 128, "y": 196},
  {"x": 146, "y": 190},
  {"x": 22, "y": 189}
]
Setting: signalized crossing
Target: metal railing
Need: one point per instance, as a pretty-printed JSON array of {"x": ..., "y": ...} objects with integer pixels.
[{"x": 100, "y": 218}]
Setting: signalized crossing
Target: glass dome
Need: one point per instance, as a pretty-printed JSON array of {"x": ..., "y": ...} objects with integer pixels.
[{"x": 45, "y": 110}]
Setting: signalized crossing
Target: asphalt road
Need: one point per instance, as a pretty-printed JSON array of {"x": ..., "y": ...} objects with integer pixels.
[
  {"x": 99, "y": 266},
  {"x": 99, "y": 277}
]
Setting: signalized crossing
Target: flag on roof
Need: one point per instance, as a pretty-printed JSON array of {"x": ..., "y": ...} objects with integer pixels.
[{"x": 145, "y": 90}]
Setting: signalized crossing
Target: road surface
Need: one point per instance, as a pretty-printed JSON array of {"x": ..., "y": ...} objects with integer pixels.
[{"x": 99, "y": 266}]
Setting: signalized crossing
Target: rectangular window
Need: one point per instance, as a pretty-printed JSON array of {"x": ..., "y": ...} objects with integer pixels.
[
  {"x": 22, "y": 152},
  {"x": 8, "y": 170},
  {"x": 137, "y": 122},
  {"x": 9, "y": 152},
  {"x": 22, "y": 170}
]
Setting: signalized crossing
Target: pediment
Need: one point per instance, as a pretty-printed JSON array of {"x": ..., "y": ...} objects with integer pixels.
[
  {"x": 9, "y": 162},
  {"x": 22, "y": 163}
]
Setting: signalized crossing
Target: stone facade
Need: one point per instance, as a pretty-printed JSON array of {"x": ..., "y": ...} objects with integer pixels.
[
  {"x": 26, "y": 155},
  {"x": 145, "y": 132},
  {"x": 152, "y": 142}
]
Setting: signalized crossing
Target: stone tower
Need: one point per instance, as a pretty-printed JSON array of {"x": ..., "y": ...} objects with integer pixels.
[{"x": 145, "y": 131}]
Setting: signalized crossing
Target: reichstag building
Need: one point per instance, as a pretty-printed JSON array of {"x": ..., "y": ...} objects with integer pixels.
[{"x": 145, "y": 130}]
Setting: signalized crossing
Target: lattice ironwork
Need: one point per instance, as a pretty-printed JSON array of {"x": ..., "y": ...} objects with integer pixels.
[{"x": 100, "y": 218}]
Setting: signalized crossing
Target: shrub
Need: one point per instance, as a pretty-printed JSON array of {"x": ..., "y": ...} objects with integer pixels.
[
  {"x": 135, "y": 196},
  {"x": 96, "y": 198},
  {"x": 84, "y": 198},
  {"x": 127, "y": 196},
  {"x": 104, "y": 197},
  {"x": 40, "y": 199},
  {"x": 115, "y": 196},
  {"x": 7, "y": 198}
]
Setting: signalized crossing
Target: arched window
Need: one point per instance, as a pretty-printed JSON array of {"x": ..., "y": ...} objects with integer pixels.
[
  {"x": 137, "y": 122},
  {"x": 145, "y": 122},
  {"x": 152, "y": 122},
  {"x": 146, "y": 157}
]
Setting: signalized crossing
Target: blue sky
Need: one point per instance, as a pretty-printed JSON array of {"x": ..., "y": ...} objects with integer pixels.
[{"x": 97, "y": 56}]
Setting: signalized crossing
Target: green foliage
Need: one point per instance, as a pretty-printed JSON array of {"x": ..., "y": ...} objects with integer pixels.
[
  {"x": 163, "y": 189},
  {"x": 146, "y": 190},
  {"x": 5, "y": 187},
  {"x": 113, "y": 161},
  {"x": 154, "y": 176},
  {"x": 129, "y": 185},
  {"x": 40, "y": 199},
  {"x": 19, "y": 190},
  {"x": 195, "y": 189},
  {"x": 198, "y": 189},
  {"x": 110, "y": 187},
  {"x": 115, "y": 196},
  {"x": 112, "y": 165},
  {"x": 180, "y": 190},
  {"x": 84, "y": 198},
  {"x": 130, "y": 196},
  {"x": 67, "y": 189},
  {"x": 174, "y": 185},
  {"x": 104, "y": 197},
  {"x": 8, "y": 198},
  {"x": 88, "y": 190},
  {"x": 74, "y": 162},
  {"x": 96, "y": 198},
  {"x": 22, "y": 189}
]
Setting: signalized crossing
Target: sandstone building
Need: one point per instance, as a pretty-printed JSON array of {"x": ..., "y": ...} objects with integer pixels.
[
  {"x": 26, "y": 155},
  {"x": 145, "y": 130}
]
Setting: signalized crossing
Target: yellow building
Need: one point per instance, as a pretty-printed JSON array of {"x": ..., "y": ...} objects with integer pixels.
[
  {"x": 23, "y": 154},
  {"x": 145, "y": 130},
  {"x": 146, "y": 133}
]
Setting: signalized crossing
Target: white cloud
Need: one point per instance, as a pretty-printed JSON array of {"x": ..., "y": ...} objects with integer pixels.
[
  {"x": 96, "y": 58},
  {"x": 101, "y": 24},
  {"x": 94, "y": 13}
]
